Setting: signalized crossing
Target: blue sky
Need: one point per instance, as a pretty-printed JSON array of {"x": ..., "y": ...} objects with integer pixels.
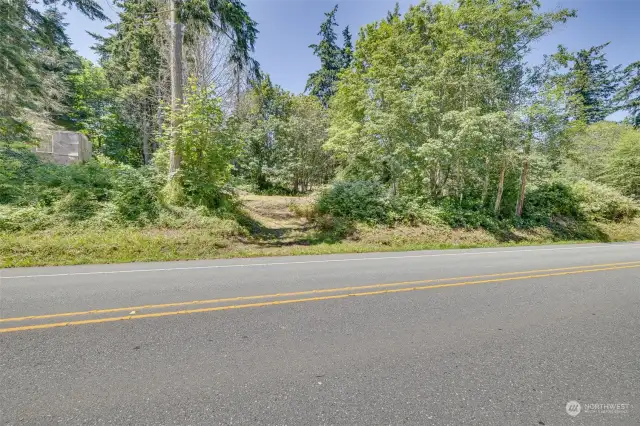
[{"x": 288, "y": 27}]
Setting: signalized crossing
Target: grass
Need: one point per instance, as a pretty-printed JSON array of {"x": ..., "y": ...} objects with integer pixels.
[{"x": 273, "y": 227}]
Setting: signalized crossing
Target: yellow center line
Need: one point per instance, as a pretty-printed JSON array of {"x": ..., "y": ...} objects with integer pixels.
[
  {"x": 297, "y": 293},
  {"x": 310, "y": 299}
]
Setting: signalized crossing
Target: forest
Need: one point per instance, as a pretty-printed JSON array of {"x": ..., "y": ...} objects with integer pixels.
[{"x": 429, "y": 128}]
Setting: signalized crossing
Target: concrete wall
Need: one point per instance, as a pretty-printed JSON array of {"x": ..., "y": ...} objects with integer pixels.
[{"x": 66, "y": 148}]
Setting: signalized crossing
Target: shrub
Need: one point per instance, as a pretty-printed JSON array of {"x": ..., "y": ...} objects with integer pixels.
[
  {"x": 603, "y": 203},
  {"x": 457, "y": 217},
  {"x": 16, "y": 173},
  {"x": 554, "y": 199},
  {"x": 356, "y": 200},
  {"x": 134, "y": 196},
  {"x": 77, "y": 205},
  {"x": 305, "y": 210},
  {"x": 413, "y": 211},
  {"x": 15, "y": 219}
]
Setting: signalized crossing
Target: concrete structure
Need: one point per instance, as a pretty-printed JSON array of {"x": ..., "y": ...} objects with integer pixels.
[{"x": 66, "y": 148}]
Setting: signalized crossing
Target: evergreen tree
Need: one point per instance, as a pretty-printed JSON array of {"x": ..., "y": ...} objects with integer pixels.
[
  {"x": 333, "y": 59},
  {"x": 395, "y": 14},
  {"x": 591, "y": 85},
  {"x": 37, "y": 60},
  {"x": 347, "y": 49},
  {"x": 629, "y": 93}
]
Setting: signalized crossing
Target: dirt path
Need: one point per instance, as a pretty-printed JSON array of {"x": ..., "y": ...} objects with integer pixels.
[{"x": 276, "y": 214}]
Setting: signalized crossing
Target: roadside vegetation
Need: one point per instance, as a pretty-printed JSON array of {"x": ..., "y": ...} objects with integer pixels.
[{"x": 432, "y": 132}]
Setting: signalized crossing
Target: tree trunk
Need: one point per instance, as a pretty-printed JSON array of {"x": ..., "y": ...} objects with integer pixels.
[
  {"x": 496, "y": 208},
  {"x": 523, "y": 187},
  {"x": 176, "y": 83},
  {"x": 523, "y": 176},
  {"x": 145, "y": 140},
  {"x": 485, "y": 186}
]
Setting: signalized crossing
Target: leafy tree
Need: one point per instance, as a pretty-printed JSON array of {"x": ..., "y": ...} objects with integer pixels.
[
  {"x": 207, "y": 143},
  {"x": 333, "y": 59},
  {"x": 303, "y": 163},
  {"x": 262, "y": 113},
  {"x": 590, "y": 150},
  {"x": 433, "y": 106},
  {"x": 607, "y": 153},
  {"x": 283, "y": 137},
  {"x": 623, "y": 168},
  {"x": 136, "y": 72}
]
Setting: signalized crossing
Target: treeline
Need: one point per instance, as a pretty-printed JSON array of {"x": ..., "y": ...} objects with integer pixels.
[{"x": 433, "y": 115}]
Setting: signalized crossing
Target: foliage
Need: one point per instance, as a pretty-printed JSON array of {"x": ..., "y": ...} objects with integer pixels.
[
  {"x": 135, "y": 195},
  {"x": 590, "y": 85},
  {"x": 622, "y": 171},
  {"x": 602, "y": 203},
  {"x": 590, "y": 150},
  {"x": 629, "y": 93},
  {"x": 283, "y": 137},
  {"x": 434, "y": 117},
  {"x": 75, "y": 193},
  {"x": 437, "y": 102},
  {"x": 302, "y": 161},
  {"x": 333, "y": 59},
  {"x": 207, "y": 143},
  {"x": 608, "y": 153},
  {"x": 550, "y": 200},
  {"x": 37, "y": 60},
  {"x": 261, "y": 113},
  {"x": 356, "y": 200},
  {"x": 369, "y": 201}
]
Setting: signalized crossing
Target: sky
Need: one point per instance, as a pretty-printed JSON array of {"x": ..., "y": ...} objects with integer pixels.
[{"x": 288, "y": 27}]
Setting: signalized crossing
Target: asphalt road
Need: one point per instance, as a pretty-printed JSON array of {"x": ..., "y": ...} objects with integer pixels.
[{"x": 480, "y": 337}]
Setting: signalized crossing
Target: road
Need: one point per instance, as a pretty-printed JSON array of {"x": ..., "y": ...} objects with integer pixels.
[{"x": 486, "y": 336}]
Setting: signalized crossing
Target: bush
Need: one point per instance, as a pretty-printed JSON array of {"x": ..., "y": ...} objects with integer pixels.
[
  {"x": 356, "y": 200},
  {"x": 603, "y": 203},
  {"x": 15, "y": 219},
  {"x": 413, "y": 211},
  {"x": 554, "y": 199},
  {"x": 134, "y": 196},
  {"x": 77, "y": 205},
  {"x": 471, "y": 219},
  {"x": 16, "y": 173}
]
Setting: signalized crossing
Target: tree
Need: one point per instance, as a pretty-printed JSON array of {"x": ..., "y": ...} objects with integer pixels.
[
  {"x": 333, "y": 59},
  {"x": 433, "y": 104},
  {"x": 223, "y": 17},
  {"x": 138, "y": 65},
  {"x": 590, "y": 150},
  {"x": 591, "y": 86},
  {"x": 623, "y": 168},
  {"x": 262, "y": 112},
  {"x": 206, "y": 142},
  {"x": 37, "y": 59},
  {"x": 136, "y": 69},
  {"x": 629, "y": 93},
  {"x": 303, "y": 163},
  {"x": 283, "y": 137}
]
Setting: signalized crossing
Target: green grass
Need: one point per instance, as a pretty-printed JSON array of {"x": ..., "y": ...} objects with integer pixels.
[{"x": 67, "y": 246}]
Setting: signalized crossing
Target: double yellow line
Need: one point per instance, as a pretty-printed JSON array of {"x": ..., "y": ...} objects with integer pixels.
[{"x": 352, "y": 291}]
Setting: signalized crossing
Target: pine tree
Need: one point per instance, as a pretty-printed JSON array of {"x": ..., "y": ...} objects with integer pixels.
[
  {"x": 333, "y": 59},
  {"x": 629, "y": 93},
  {"x": 592, "y": 85},
  {"x": 347, "y": 49},
  {"x": 36, "y": 61}
]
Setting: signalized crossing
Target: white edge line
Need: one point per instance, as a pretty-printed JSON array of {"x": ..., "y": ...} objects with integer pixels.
[{"x": 303, "y": 262}]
